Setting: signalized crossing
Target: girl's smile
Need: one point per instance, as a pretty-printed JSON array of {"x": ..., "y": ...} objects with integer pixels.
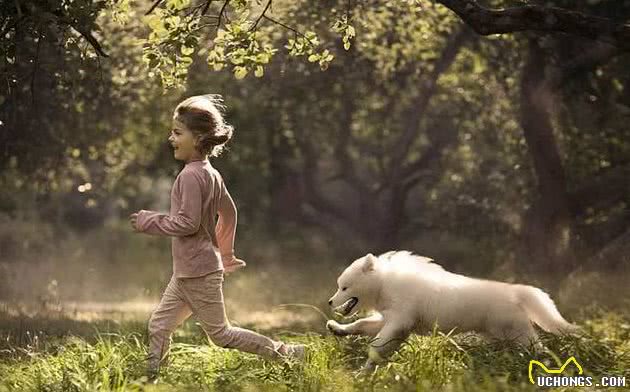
[{"x": 184, "y": 143}]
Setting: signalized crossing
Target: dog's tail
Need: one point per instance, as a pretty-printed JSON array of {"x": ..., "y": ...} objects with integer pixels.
[{"x": 541, "y": 310}]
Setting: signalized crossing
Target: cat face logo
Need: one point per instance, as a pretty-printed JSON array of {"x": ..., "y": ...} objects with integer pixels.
[{"x": 553, "y": 371}]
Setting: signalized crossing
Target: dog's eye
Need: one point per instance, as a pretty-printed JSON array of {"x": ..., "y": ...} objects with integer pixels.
[{"x": 344, "y": 289}]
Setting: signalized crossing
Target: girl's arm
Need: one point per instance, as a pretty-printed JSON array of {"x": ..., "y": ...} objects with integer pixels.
[
  {"x": 187, "y": 219},
  {"x": 226, "y": 226}
]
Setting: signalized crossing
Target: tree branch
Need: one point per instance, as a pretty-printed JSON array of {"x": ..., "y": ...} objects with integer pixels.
[
  {"x": 153, "y": 7},
  {"x": 413, "y": 172},
  {"x": 487, "y": 21},
  {"x": 615, "y": 253},
  {"x": 261, "y": 16},
  {"x": 206, "y": 7},
  {"x": 602, "y": 190},
  {"x": 223, "y": 7},
  {"x": 289, "y": 28},
  {"x": 92, "y": 40},
  {"x": 313, "y": 194},
  {"x": 34, "y": 72},
  {"x": 347, "y": 169},
  {"x": 428, "y": 89},
  {"x": 586, "y": 60},
  {"x": 86, "y": 34}
]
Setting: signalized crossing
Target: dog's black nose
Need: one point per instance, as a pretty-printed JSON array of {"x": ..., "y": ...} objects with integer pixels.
[{"x": 330, "y": 302}]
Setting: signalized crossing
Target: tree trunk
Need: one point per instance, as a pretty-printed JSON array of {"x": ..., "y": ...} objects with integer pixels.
[
  {"x": 285, "y": 190},
  {"x": 547, "y": 228}
]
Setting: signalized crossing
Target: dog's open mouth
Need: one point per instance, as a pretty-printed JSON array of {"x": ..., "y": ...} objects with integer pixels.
[{"x": 345, "y": 308}]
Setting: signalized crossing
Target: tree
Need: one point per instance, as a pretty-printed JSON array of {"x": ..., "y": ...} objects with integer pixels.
[
  {"x": 356, "y": 151},
  {"x": 73, "y": 122},
  {"x": 266, "y": 38},
  {"x": 244, "y": 29}
]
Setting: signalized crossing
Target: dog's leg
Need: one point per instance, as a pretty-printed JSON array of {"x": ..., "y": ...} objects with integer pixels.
[
  {"x": 527, "y": 336},
  {"x": 386, "y": 342},
  {"x": 521, "y": 333},
  {"x": 369, "y": 326}
]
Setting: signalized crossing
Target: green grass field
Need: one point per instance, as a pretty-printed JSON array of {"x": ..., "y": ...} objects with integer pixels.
[
  {"x": 54, "y": 346},
  {"x": 45, "y": 353}
]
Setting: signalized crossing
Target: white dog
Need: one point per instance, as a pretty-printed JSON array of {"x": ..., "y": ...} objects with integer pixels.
[{"x": 412, "y": 294}]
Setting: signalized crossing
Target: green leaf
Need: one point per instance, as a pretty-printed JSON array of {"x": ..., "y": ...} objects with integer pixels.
[
  {"x": 259, "y": 72},
  {"x": 240, "y": 72},
  {"x": 177, "y": 4},
  {"x": 187, "y": 51},
  {"x": 155, "y": 23}
]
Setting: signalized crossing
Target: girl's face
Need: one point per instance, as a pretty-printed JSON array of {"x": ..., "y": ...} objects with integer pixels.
[{"x": 183, "y": 142}]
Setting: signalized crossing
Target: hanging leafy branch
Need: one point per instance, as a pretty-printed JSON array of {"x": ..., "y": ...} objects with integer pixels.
[
  {"x": 245, "y": 42},
  {"x": 241, "y": 41},
  {"x": 243, "y": 34},
  {"x": 79, "y": 16}
]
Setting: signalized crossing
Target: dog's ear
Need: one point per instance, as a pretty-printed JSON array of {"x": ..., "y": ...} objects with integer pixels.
[{"x": 368, "y": 264}]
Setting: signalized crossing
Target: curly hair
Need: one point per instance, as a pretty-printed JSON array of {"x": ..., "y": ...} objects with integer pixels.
[{"x": 203, "y": 116}]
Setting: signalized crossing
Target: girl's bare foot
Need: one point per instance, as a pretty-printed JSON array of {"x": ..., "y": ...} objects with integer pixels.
[{"x": 296, "y": 352}]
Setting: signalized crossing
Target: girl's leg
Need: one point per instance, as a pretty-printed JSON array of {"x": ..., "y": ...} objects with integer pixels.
[
  {"x": 170, "y": 313},
  {"x": 205, "y": 296}
]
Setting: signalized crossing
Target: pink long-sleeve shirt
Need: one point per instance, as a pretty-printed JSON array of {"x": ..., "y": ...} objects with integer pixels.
[{"x": 198, "y": 245}]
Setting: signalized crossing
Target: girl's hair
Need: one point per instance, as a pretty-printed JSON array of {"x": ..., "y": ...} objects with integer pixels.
[{"x": 203, "y": 115}]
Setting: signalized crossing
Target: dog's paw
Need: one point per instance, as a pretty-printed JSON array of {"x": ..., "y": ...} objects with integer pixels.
[
  {"x": 335, "y": 328},
  {"x": 367, "y": 369}
]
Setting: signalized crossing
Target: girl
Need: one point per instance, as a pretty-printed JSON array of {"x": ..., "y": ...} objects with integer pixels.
[{"x": 202, "y": 250}]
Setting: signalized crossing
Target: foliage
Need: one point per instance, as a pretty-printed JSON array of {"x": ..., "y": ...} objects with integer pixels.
[
  {"x": 114, "y": 361},
  {"x": 423, "y": 147}
]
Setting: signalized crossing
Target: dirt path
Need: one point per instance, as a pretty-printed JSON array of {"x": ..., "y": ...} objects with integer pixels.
[{"x": 272, "y": 317}]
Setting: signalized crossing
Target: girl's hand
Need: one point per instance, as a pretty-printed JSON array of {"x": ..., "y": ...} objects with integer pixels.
[
  {"x": 133, "y": 220},
  {"x": 233, "y": 265}
]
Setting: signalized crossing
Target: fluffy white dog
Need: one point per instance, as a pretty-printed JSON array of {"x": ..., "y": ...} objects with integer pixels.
[{"x": 410, "y": 293}]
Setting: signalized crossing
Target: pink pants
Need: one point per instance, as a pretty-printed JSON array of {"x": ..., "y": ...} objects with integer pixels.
[{"x": 202, "y": 297}]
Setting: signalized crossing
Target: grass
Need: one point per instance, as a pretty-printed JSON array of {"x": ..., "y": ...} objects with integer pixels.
[
  {"x": 57, "y": 351},
  {"x": 37, "y": 354}
]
